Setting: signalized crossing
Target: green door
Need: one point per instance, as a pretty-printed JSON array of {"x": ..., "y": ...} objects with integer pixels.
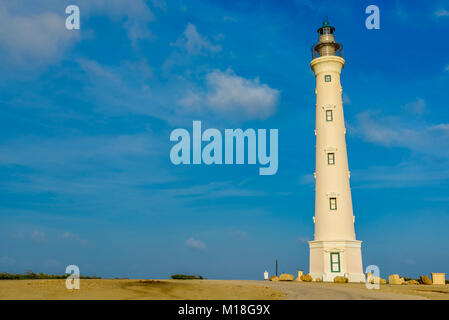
[{"x": 335, "y": 261}]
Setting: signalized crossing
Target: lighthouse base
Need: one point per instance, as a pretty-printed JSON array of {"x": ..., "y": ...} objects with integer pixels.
[{"x": 329, "y": 259}]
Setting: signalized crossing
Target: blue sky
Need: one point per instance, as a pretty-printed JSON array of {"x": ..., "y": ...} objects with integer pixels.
[{"x": 85, "y": 173}]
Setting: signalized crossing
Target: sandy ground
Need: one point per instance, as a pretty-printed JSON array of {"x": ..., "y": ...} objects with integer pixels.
[
  {"x": 355, "y": 291},
  {"x": 211, "y": 289},
  {"x": 135, "y": 290}
]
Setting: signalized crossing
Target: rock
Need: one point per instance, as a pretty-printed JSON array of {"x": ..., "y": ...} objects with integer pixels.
[
  {"x": 438, "y": 278},
  {"x": 412, "y": 282},
  {"x": 306, "y": 278},
  {"x": 378, "y": 280},
  {"x": 394, "y": 279},
  {"x": 274, "y": 278},
  {"x": 286, "y": 277},
  {"x": 340, "y": 279},
  {"x": 425, "y": 280}
]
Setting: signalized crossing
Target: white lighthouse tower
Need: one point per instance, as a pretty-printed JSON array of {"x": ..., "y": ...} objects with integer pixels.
[{"x": 334, "y": 250}]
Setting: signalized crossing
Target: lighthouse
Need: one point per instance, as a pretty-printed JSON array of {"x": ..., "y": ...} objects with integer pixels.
[{"x": 334, "y": 250}]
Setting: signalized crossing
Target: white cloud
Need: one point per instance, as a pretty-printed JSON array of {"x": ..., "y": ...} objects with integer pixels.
[
  {"x": 33, "y": 33},
  {"x": 406, "y": 174},
  {"x": 443, "y": 127},
  {"x": 303, "y": 239},
  {"x": 230, "y": 94},
  {"x": 69, "y": 235},
  {"x": 416, "y": 107},
  {"x": 446, "y": 68},
  {"x": 238, "y": 233},
  {"x": 195, "y": 244},
  {"x": 108, "y": 169},
  {"x": 18, "y": 235},
  {"x": 442, "y": 13},
  {"x": 410, "y": 261},
  {"x": 346, "y": 99},
  {"x": 38, "y": 236},
  {"x": 191, "y": 100},
  {"x": 42, "y": 153},
  {"x": 159, "y": 4},
  {"x": 307, "y": 179},
  {"x": 136, "y": 89},
  {"x": 136, "y": 15},
  {"x": 229, "y": 19},
  {"x": 395, "y": 131},
  {"x": 34, "y": 39},
  {"x": 428, "y": 143},
  {"x": 215, "y": 190},
  {"x": 194, "y": 43}
]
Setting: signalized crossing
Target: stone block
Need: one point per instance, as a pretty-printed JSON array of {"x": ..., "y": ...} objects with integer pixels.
[
  {"x": 438, "y": 278},
  {"x": 340, "y": 279},
  {"x": 286, "y": 277},
  {"x": 394, "y": 279}
]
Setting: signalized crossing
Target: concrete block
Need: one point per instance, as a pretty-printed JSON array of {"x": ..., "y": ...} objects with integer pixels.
[
  {"x": 394, "y": 279},
  {"x": 438, "y": 278}
]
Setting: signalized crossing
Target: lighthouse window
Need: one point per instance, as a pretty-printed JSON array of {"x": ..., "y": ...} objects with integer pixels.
[
  {"x": 327, "y": 78},
  {"x": 331, "y": 158},
  {"x": 329, "y": 115},
  {"x": 335, "y": 262},
  {"x": 333, "y": 203}
]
